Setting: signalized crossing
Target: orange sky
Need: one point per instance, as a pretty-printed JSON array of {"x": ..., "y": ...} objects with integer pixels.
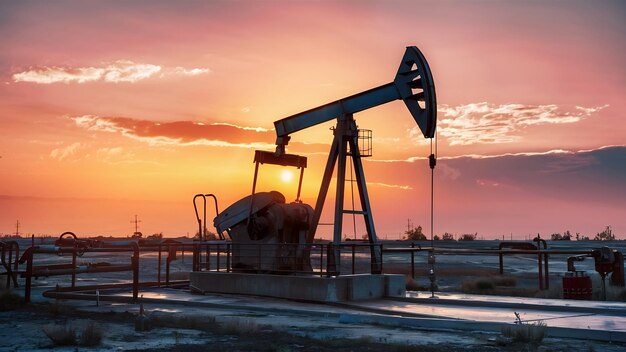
[{"x": 111, "y": 109}]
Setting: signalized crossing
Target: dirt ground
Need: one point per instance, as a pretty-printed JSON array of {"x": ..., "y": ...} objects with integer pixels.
[{"x": 21, "y": 328}]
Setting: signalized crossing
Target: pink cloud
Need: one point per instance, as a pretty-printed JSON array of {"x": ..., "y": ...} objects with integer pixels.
[
  {"x": 184, "y": 133},
  {"x": 190, "y": 133}
]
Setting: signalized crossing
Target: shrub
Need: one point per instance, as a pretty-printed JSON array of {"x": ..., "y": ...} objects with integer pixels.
[
  {"x": 91, "y": 335},
  {"x": 66, "y": 335},
  {"x": 483, "y": 285},
  {"x": 412, "y": 285},
  {"x": 415, "y": 234},
  {"x": 61, "y": 335},
  {"x": 447, "y": 237},
  {"x": 507, "y": 281},
  {"x": 468, "y": 237},
  {"x": 524, "y": 332}
]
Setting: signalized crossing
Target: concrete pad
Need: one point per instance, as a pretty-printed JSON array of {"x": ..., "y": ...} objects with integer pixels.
[{"x": 308, "y": 288}]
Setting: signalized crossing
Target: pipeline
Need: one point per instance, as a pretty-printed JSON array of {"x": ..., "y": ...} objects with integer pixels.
[{"x": 73, "y": 269}]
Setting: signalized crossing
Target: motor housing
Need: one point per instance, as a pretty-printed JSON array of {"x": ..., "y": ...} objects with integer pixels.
[{"x": 267, "y": 234}]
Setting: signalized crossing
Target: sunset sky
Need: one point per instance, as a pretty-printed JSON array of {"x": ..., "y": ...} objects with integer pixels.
[{"x": 110, "y": 109}]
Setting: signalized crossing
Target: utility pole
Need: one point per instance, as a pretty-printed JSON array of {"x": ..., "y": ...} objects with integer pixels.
[
  {"x": 17, "y": 228},
  {"x": 136, "y": 225}
]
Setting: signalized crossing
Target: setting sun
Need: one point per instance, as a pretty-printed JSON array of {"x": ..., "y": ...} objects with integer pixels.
[{"x": 286, "y": 176}]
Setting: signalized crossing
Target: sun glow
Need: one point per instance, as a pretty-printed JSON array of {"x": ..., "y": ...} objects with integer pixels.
[{"x": 286, "y": 176}]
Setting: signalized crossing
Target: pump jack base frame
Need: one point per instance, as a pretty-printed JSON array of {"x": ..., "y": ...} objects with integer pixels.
[{"x": 308, "y": 288}]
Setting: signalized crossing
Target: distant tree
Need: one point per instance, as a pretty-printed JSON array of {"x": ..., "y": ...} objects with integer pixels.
[
  {"x": 415, "y": 234},
  {"x": 210, "y": 236},
  {"x": 606, "y": 235},
  {"x": 577, "y": 236},
  {"x": 156, "y": 235},
  {"x": 567, "y": 236},
  {"x": 468, "y": 237},
  {"x": 436, "y": 238},
  {"x": 447, "y": 237}
]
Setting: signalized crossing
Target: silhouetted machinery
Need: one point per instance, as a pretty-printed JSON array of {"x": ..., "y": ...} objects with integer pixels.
[
  {"x": 270, "y": 235},
  {"x": 577, "y": 284}
]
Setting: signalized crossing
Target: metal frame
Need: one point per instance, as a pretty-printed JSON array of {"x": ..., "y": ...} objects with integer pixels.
[
  {"x": 346, "y": 134},
  {"x": 414, "y": 85}
]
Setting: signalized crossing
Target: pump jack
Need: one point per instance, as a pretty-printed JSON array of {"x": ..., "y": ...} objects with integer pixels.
[{"x": 413, "y": 84}]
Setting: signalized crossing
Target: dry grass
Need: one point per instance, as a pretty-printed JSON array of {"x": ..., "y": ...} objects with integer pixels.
[
  {"x": 193, "y": 322},
  {"x": 10, "y": 301},
  {"x": 554, "y": 292},
  {"x": 506, "y": 281},
  {"x": 495, "y": 284},
  {"x": 239, "y": 326},
  {"x": 526, "y": 333},
  {"x": 67, "y": 335},
  {"x": 61, "y": 334},
  {"x": 91, "y": 335}
]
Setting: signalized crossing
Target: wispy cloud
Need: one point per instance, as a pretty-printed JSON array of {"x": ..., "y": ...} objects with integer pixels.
[
  {"x": 121, "y": 71},
  {"x": 484, "y": 123},
  {"x": 65, "y": 152},
  {"x": 487, "y": 183},
  {"x": 190, "y": 71},
  {"x": 181, "y": 133},
  {"x": 413, "y": 159},
  {"x": 386, "y": 185}
]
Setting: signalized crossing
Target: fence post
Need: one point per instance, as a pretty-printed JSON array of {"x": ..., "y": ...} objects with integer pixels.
[{"x": 412, "y": 260}]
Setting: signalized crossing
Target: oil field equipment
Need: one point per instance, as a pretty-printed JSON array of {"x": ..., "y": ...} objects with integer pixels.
[
  {"x": 578, "y": 285},
  {"x": 265, "y": 218}
]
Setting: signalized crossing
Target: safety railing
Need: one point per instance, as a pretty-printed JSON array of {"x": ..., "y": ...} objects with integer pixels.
[
  {"x": 541, "y": 254},
  {"x": 286, "y": 258},
  {"x": 10, "y": 252},
  {"x": 73, "y": 269}
]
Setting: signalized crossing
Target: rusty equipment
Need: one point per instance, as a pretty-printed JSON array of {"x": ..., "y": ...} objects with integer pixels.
[
  {"x": 577, "y": 284},
  {"x": 69, "y": 240},
  {"x": 272, "y": 222},
  {"x": 252, "y": 220}
]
